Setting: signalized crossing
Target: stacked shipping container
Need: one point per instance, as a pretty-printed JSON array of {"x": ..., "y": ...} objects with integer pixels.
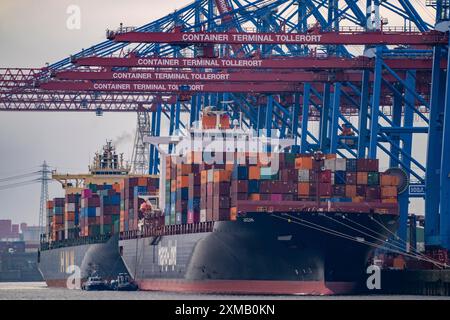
[
  {"x": 200, "y": 192},
  {"x": 96, "y": 211},
  {"x": 130, "y": 190},
  {"x": 72, "y": 216}
]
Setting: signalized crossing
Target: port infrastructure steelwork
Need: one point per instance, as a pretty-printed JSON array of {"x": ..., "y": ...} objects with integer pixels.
[{"x": 303, "y": 67}]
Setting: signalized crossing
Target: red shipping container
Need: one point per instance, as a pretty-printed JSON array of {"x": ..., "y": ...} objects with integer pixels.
[
  {"x": 238, "y": 196},
  {"x": 339, "y": 190},
  {"x": 351, "y": 178},
  {"x": 195, "y": 179},
  {"x": 325, "y": 176},
  {"x": 221, "y": 202},
  {"x": 367, "y": 165},
  {"x": 288, "y": 197},
  {"x": 360, "y": 190},
  {"x": 221, "y": 214},
  {"x": 373, "y": 193},
  {"x": 325, "y": 189},
  {"x": 221, "y": 189},
  {"x": 239, "y": 186},
  {"x": 190, "y": 216},
  {"x": 289, "y": 175},
  {"x": 194, "y": 191},
  {"x": 209, "y": 214},
  {"x": 264, "y": 197},
  {"x": 210, "y": 188}
]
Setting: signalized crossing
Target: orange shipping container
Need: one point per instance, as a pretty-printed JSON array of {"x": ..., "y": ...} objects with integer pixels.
[
  {"x": 182, "y": 181},
  {"x": 204, "y": 177},
  {"x": 361, "y": 178},
  {"x": 389, "y": 200},
  {"x": 224, "y": 121},
  {"x": 254, "y": 197},
  {"x": 350, "y": 191},
  {"x": 194, "y": 157},
  {"x": 50, "y": 204},
  {"x": 116, "y": 187},
  {"x": 254, "y": 173},
  {"x": 304, "y": 163},
  {"x": 209, "y": 122},
  {"x": 388, "y": 180},
  {"x": 173, "y": 185},
  {"x": 222, "y": 176},
  {"x": 357, "y": 199},
  {"x": 388, "y": 192},
  {"x": 303, "y": 189},
  {"x": 184, "y": 169},
  {"x": 330, "y": 156},
  {"x": 142, "y": 182},
  {"x": 69, "y": 216},
  {"x": 233, "y": 214}
]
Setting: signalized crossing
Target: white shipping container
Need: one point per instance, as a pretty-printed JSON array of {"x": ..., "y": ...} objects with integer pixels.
[
  {"x": 330, "y": 164},
  {"x": 210, "y": 175},
  {"x": 303, "y": 175},
  {"x": 341, "y": 164},
  {"x": 203, "y": 215},
  {"x": 98, "y": 212},
  {"x": 70, "y": 207}
]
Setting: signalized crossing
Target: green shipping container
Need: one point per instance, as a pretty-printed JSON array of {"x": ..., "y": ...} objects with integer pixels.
[
  {"x": 172, "y": 218},
  {"x": 267, "y": 173},
  {"x": 94, "y": 230},
  {"x": 290, "y": 157},
  {"x": 373, "y": 178},
  {"x": 166, "y": 220}
]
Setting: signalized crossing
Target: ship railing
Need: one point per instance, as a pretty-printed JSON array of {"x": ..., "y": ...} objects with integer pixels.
[
  {"x": 168, "y": 230},
  {"x": 48, "y": 245}
]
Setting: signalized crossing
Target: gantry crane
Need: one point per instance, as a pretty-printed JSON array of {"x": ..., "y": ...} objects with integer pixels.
[{"x": 282, "y": 64}]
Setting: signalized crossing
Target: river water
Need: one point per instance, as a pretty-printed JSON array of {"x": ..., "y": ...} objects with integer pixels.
[{"x": 39, "y": 291}]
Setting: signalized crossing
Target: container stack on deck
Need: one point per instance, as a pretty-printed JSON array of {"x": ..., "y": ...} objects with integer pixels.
[
  {"x": 200, "y": 192},
  {"x": 57, "y": 224},
  {"x": 130, "y": 190},
  {"x": 90, "y": 213},
  {"x": 109, "y": 209},
  {"x": 72, "y": 216}
]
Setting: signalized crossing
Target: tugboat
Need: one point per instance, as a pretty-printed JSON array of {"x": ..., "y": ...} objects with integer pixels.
[
  {"x": 123, "y": 283},
  {"x": 95, "y": 283}
]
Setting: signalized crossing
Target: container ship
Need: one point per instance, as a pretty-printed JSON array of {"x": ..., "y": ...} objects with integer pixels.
[
  {"x": 232, "y": 219},
  {"x": 83, "y": 227}
]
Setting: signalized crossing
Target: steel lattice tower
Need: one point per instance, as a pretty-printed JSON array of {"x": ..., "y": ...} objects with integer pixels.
[
  {"x": 45, "y": 171},
  {"x": 141, "y": 150}
]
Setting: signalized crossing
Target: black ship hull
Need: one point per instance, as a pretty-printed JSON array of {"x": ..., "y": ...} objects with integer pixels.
[
  {"x": 102, "y": 259},
  {"x": 261, "y": 254}
]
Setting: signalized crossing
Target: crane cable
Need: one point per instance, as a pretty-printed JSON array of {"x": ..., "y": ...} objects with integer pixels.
[
  {"x": 395, "y": 237},
  {"x": 383, "y": 240},
  {"x": 315, "y": 226}
]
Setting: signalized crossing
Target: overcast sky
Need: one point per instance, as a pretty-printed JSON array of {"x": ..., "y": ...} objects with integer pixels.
[{"x": 33, "y": 33}]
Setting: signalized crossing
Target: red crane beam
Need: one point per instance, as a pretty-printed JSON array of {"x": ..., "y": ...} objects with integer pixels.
[
  {"x": 315, "y": 38},
  {"x": 295, "y": 76},
  {"x": 308, "y": 63},
  {"x": 148, "y": 87},
  {"x": 131, "y": 87}
]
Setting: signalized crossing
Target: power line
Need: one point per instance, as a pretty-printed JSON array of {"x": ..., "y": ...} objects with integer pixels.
[
  {"x": 20, "y": 176},
  {"x": 18, "y": 184}
]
